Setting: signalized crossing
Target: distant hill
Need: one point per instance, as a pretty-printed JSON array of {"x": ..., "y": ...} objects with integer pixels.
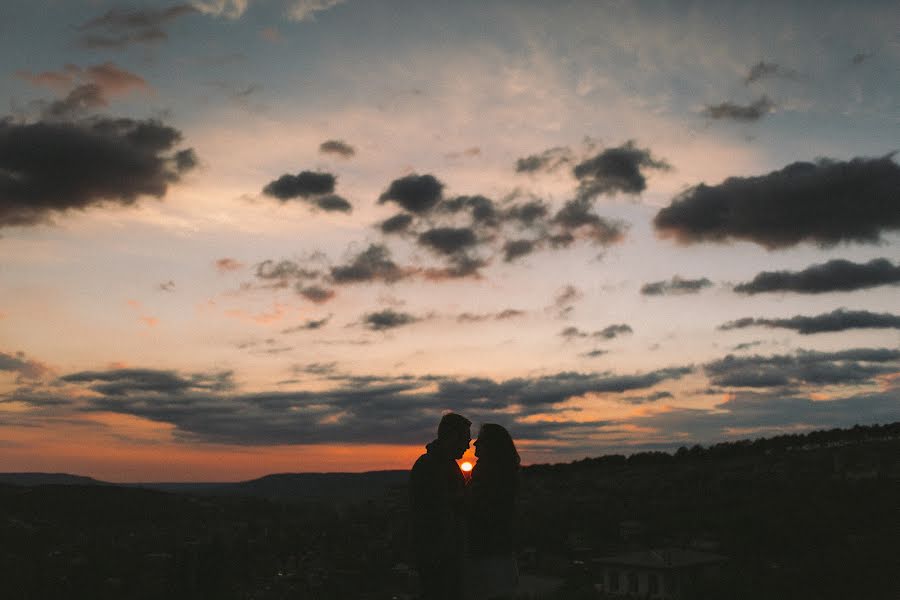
[
  {"x": 297, "y": 486},
  {"x": 32, "y": 479}
]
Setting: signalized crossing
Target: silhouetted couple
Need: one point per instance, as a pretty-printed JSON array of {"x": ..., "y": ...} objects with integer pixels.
[{"x": 462, "y": 532}]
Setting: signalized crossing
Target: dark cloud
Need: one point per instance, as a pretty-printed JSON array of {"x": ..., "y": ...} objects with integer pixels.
[
  {"x": 837, "y": 320},
  {"x": 825, "y": 202},
  {"x": 764, "y": 70},
  {"x": 315, "y": 293},
  {"x": 22, "y": 366},
  {"x": 414, "y": 193},
  {"x": 308, "y": 325},
  {"x": 861, "y": 57},
  {"x": 576, "y": 219},
  {"x": 613, "y": 331},
  {"x": 565, "y": 299},
  {"x": 526, "y": 213},
  {"x": 372, "y": 264},
  {"x": 284, "y": 270},
  {"x": 482, "y": 209},
  {"x": 397, "y": 223},
  {"x": 371, "y": 409},
  {"x": 514, "y": 249},
  {"x": 619, "y": 169},
  {"x": 573, "y": 332},
  {"x": 119, "y": 27},
  {"x": 833, "y": 276},
  {"x": 53, "y": 167},
  {"x": 676, "y": 285},
  {"x": 78, "y": 102},
  {"x": 166, "y": 286},
  {"x": 740, "y": 112},
  {"x": 302, "y": 185},
  {"x": 595, "y": 353},
  {"x": 448, "y": 240},
  {"x": 854, "y": 366},
  {"x": 548, "y": 160},
  {"x": 460, "y": 266},
  {"x": 125, "y": 381},
  {"x": 339, "y": 147},
  {"x": 333, "y": 203},
  {"x": 387, "y": 319}
]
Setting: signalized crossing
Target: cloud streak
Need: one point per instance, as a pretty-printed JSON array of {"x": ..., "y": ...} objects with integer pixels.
[
  {"x": 837, "y": 320},
  {"x": 833, "y": 276}
]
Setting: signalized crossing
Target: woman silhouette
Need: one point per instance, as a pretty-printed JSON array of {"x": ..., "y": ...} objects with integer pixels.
[{"x": 492, "y": 491}]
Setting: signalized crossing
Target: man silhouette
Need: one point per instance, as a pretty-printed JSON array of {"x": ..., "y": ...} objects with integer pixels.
[{"x": 436, "y": 494}]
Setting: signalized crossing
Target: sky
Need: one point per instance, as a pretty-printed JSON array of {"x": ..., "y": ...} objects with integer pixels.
[{"x": 241, "y": 237}]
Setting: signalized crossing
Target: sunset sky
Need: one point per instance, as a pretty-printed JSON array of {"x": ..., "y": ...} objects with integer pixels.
[{"x": 240, "y": 237}]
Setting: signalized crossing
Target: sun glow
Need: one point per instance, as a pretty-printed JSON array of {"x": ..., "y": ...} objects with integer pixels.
[{"x": 466, "y": 466}]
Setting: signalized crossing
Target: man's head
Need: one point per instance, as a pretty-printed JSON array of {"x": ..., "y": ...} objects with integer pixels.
[{"x": 454, "y": 434}]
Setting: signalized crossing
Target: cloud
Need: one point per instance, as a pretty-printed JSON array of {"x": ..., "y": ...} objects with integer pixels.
[
  {"x": 397, "y": 223},
  {"x": 860, "y": 57},
  {"x": 357, "y": 409},
  {"x": 334, "y": 203},
  {"x": 301, "y": 185},
  {"x": 22, "y": 366},
  {"x": 372, "y": 264},
  {"x": 618, "y": 169},
  {"x": 676, "y": 285},
  {"x": 613, "y": 331},
  {"x": 448, "y": 240},
  {"x": 514, "y": 249},
  {"x": 825, "y": 202},
  {"x": 284, "y": 271},
  {"x": 575, "y": 219},
  {"x": 109, "y": 79},
  {"x": 738, "y": 112},
  {"x": 853, "y": 366},
  {"x": 770, "y": 413},
  {"x": 414, "y": 193},
  {"x": 765, "y": 70},
  {"x": 308, "y": 325},
  {"x": 460, "y": 266},
  {"x": 120, "y": 27},
  {"x": 565, "y": 299},
  {"x": 388, "y": 319},
  {"x": 315, "y": 293},
  {"x": 837, "y": 320},
  {"x": 125, "y": 381},
  {"x": 338, "y": 147},
  {"x": 526, "y": 213},
  {"x": 595, "y": 353},
  {"x": 228, "y": 265},
  {"x": 509, "y": 313},
  {"x": 833, "y": 276},
  {"x": 166, "y": 286},
  {"x": 315, "y": 368},
  {"x": 53, "y": 167},
  {"x": 549, "y": 160},
  {"x": 305, "y": 10},
  {"x": 230, "y": 9},
  {"x": 481, "y": 209},
  {"x": 654, "y": 397}
]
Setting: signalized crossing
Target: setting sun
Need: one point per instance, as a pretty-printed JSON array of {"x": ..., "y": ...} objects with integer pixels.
[{"x": 466, "y": 466}]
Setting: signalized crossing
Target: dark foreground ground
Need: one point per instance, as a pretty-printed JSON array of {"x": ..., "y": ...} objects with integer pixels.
[{"x": 815, "y": 516}]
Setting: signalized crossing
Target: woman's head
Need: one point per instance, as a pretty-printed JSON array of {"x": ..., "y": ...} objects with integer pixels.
[{"x": 494, "y": 444}]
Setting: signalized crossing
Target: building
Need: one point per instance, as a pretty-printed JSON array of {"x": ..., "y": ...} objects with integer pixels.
[{"x": 666, "y": 573}]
